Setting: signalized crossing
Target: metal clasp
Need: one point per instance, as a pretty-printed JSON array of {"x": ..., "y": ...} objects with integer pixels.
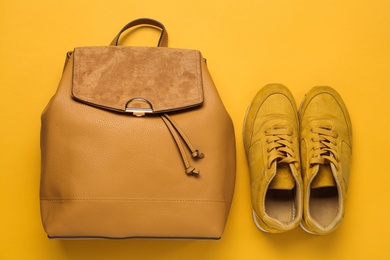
[{"x": 140, "y": 107}]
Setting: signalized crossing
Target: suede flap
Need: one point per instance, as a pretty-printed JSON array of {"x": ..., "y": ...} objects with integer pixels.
[{"x": 111, "y": 77}]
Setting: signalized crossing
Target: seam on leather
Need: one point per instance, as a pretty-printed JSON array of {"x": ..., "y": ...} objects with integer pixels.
[{"x": 139, "y": 200}]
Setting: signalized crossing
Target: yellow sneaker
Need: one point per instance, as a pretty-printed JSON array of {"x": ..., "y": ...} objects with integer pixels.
[
  {"x": 326, "y": 147},
  {"x": 271, "y": 144}
]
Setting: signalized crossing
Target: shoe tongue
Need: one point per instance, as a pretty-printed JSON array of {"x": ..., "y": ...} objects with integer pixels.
[
  {"x": 283, "y": 179},
  {"x": 324, "y": 177}
]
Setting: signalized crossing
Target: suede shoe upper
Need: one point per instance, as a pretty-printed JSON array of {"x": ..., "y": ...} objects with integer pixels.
[
  {"x": 271, "y": 144},
  {"x": 326, "y": 148}
]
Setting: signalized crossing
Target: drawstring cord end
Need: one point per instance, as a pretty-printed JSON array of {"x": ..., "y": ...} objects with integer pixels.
[
  {"x": 197, "y": 154},
  {"x": 192, "y": 171},
  {"x": 179, "y": 135}
]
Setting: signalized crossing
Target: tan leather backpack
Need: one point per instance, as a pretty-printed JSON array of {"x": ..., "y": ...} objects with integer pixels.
[{"x": 136, "y": 143}]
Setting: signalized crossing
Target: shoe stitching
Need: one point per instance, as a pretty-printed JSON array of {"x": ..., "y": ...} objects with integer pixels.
[{"x": 292, "y": 211}]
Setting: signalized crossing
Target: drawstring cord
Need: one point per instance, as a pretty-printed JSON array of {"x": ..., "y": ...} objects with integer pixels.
[{"x": 179, "y": 135}]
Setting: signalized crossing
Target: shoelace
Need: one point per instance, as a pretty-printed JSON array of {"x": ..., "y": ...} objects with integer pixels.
[
  {"x": 325, "y": 146},
  {"x": 280, "y": 145},
  {"x": 178, "y": 135}
]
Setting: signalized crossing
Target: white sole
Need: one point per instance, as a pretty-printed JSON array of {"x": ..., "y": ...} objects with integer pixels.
[
  {"x": 306, "y": 230},
  {"x": 257, "y": 223}
]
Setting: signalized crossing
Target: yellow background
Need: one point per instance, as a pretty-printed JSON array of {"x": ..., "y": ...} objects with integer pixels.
[{"x": 344, "y": 44}]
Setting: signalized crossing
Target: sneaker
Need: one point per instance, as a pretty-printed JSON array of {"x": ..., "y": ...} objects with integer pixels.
[
  {"x": 326, "y": 147},
  {"x": 272, "y": 148}
]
